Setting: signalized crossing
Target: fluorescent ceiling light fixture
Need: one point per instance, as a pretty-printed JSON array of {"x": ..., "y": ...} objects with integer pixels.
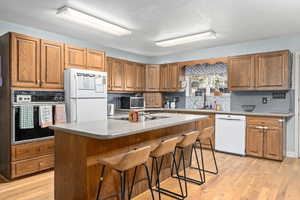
[
  {"x": 88, "y": 20},
  {"x": 187, "y": 39}
]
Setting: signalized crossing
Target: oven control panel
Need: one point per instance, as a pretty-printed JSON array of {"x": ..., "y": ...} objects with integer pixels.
[{"x": 23, "y": 98}]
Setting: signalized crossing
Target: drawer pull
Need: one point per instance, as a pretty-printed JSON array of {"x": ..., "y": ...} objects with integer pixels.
[{"x": 259, "y": 127}]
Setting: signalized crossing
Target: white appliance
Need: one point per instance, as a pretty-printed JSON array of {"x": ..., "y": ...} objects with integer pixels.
[
  {"x": 230, "y": 134},
  {"x": 85, "y": 95}
]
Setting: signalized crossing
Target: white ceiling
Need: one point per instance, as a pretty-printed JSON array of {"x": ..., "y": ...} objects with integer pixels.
[{"x": 152, "y": 20}]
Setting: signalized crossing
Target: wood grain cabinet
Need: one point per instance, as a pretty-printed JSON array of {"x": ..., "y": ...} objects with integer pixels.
[
  {"x": 140, "y": 77},
  {"x": 169, "y": 77},
  {"x": 130, "y": 76},
  {"x": 75, "y": 57},
  {"x": 25, "y": 61},
  {"x": 153, "y": 100},
  {"x": 96, "y": 60},
  {"x": 265, "y": 137},
  {"x": 164, "y": 78},
  {"x": 264, "y": 71},
  {"x": 52, "y": 65},
  {"x": 152, "y": 78},
  {"x": 117, "y": 75}
]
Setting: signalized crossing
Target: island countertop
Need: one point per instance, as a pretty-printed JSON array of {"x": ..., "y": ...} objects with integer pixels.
[{"x": 113, "y": 127}]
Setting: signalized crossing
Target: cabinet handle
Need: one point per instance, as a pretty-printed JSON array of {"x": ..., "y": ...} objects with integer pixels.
[
  {"x": 266, "y": 128},
  {"x": 281, "y": 120},
  {"x": 259, "y": 127}
]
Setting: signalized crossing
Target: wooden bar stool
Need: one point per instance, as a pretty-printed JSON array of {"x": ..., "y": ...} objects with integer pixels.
[
  {"x": 165, "y": 147},
  {"x": 124, "y": 162},
  {"x": 205, "y": 134},
  {"x": 189, "y": 139}
]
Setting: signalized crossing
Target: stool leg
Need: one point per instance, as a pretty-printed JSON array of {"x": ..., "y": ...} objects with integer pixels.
[
  {"x": 177, "y": 173},
  {"x": 133, "y": 181},
  {"x": 213, "y": 153},
  {"x": 123, "y": 184},
  {"x": 100, "y": 183},
  {"x": 149, "y": 182},
  {"x": 157, "y": 178},
  {"x": 198, "y": 165},
  {"x": 202, "y": 160}
]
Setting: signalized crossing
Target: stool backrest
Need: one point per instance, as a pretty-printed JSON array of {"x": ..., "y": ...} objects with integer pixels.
[
  {"x": 189, "y": 138},
  {"x": 206, "y": 133},
  {"x": 165, "y": 147},
  {"x": 135, "y": 157}
]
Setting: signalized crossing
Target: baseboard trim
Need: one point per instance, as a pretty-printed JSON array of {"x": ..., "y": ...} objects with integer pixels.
[{"x": 291, "y": 154}]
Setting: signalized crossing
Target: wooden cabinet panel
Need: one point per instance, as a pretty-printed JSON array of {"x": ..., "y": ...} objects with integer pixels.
[
  {"x": 30, "y": 166},
  {"x": 254, "y": 141},
  {"x": 273, "y": 144},
  {"x": 140, "y": 77},
  {"x": 152, "y": 78},
  {"x": 117, "y": 75},
  {"x": 31, "y": 150},
  {"x": 96, "y": 60},
  {"x": 25, "y": 63},
  {"x": 241, "y": 73},
  {"x": 174, "y": 77},
  {"x": 130, "y": 76},
  {"x": 109, "y": 63},
  {"x": 75, "y": 57},
  {"x": 164, "y": 77},
  {"x": 272, "y": 71},
  {"x": 52, "y": 65},
  {"x": 153, "y": 100}
]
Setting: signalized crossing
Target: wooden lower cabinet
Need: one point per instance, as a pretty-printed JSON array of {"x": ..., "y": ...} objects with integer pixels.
[
  {"x": 31, "y": 157},
  {"x": 265, "y": 137}
]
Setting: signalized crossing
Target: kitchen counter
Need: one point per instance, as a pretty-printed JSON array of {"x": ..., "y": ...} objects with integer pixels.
[
  {"x": 79, "y": 146},
  {"x": 112, "y": 127},
  {"x": 270, "y": 114}
]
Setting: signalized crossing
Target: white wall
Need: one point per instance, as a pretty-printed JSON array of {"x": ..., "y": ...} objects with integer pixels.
[
  {"x": 286, "y": 42},
  {"x": 11, "y": 27}
]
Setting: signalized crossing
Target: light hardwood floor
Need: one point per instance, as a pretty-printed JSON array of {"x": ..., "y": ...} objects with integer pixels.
[{"x": 240, "y": 178}]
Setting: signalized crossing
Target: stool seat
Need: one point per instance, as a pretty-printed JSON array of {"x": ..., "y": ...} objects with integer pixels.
[
  {"x": 165, "y": 147},
  {"x": 188, "y": 139},
  {"x": 206, "y": 133},
  {"x": 126, "y": 161}
]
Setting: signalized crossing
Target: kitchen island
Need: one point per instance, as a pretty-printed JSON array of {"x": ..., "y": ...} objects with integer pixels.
[{"x": 78, "y": 146}]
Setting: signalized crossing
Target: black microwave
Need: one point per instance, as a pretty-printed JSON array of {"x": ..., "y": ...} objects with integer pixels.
[{"x": 132, "y": 102}]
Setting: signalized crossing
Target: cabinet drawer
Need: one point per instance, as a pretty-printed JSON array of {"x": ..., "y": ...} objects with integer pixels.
[
  {"x": 30, "y": 166},
  {"x": 270, "y": 122},
  {"x": 31, "y": 150}
]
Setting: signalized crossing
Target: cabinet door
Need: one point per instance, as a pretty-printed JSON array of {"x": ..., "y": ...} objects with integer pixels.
[
  {"x": 117, "y": 75},
  {"x": 273, "y": 143},
  {"x": 52, "y": 65},
  {"x": 174, "y": 77},
  {"x": 96, "y": 60},
  {"x": 254, "y": 141},
  {"x": 241, "y": 73},
  {"x": 149, "y": 100},
  {"x": 140, "y": 77},
  {"x": 130, "y": 76},
  {"x": 75, "y": 57},
  {"x": 272, "y": 71},
  {"x": 157, "y": 100},
  {"x": 164, "y": 78},
  {"x": 25, "y": 61},
  {"x": 152, "y": 78},
  {"x": 109, "y": 63}
]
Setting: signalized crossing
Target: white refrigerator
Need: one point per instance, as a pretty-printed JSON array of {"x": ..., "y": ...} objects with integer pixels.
[{"x": 85, "y": 95}]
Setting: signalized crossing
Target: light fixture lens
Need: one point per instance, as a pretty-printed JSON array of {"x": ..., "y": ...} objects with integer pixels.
[
  {"x": 88, "y": 20},
  {"x": 187, "y": 39}
]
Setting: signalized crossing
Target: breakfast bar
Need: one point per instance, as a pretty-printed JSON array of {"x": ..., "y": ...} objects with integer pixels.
[{"x": 79, "y": 146}]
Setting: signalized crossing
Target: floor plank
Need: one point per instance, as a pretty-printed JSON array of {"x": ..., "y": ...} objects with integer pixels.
[{"x": 243, "y": 178}]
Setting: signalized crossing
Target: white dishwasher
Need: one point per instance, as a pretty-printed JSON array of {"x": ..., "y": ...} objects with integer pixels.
[{"x": 230, "y": 133}]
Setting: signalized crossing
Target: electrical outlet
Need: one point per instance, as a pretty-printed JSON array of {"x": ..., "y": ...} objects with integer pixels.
[{"x": 265, "y": 100}]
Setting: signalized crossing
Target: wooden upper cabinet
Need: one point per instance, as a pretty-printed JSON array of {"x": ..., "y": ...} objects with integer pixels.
[
  {"x": 152, "y": 78},
  {"x": 117, "y": 75},
  {"x": 140, "y": 77},
  {"x": 25, "y": 62},
  {"x": 96, "y": 60},
  {"x": 164, "y": 77},
  {"x": 153, "y": 100},
  {"x": 52, "y": 65},
  {"x": 174, "y": 77},
  {"x": 75, "y": 57},
  {"x": 109, "y": 63},
  {"x": 241, "y": 73},
  {"x": 272, "y": 71},
  {"x": 130, "y": 76}
]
